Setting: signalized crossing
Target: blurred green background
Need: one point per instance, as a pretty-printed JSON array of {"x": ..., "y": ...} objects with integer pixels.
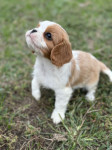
[{"x": 25, "y": 124}]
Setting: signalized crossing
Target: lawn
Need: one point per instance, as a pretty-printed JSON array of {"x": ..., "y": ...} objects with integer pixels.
[{"x": 24, "y": 123}]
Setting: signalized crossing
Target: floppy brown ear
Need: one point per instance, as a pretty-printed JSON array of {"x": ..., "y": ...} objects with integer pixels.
[{"x": 61, "y": 53}]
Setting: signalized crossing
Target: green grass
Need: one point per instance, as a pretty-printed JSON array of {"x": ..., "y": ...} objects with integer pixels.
[{"x": 26, "y": 124}]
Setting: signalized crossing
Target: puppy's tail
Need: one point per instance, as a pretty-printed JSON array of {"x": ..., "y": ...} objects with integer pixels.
[{"x": 106, "y": 70}]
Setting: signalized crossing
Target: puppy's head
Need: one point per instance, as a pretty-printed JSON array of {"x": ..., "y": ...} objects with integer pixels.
[{"x": 51, "y": 41}]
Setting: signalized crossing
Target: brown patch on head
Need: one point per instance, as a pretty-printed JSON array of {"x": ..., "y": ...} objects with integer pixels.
[{"x": 59, "y": 47}]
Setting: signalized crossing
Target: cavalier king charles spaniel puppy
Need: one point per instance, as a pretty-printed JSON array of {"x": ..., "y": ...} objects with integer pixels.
[{"x": 59, "y": 68}]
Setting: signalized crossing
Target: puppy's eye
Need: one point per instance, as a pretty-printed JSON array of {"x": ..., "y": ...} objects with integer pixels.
[{"x": 48, "y": 36}]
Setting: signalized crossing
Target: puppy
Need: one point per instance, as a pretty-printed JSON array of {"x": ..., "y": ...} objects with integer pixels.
[{"x": 59, "y": 68}]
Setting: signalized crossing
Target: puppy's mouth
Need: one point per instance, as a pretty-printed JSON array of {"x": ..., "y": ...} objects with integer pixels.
[
  {"x": 34, "y": 46},
  {"x": 33, "y": 41}
]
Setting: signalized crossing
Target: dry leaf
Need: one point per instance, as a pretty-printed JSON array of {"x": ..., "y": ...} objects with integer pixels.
[{"x": 59, "y": 137}]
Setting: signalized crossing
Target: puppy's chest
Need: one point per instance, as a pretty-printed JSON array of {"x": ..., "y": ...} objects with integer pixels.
[{"x": 50, "y": 76}]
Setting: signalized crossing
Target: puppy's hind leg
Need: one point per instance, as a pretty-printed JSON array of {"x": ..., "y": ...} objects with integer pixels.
[{"x": 90, "y": 96}]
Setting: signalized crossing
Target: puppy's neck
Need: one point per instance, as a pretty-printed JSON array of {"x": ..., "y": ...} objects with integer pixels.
[
  {"x": 47, "y": 62},
  {"x": 44, "y": 60}
]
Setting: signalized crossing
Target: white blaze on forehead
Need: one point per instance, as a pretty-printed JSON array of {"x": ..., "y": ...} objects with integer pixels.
[{"x": 43, "y": 25}]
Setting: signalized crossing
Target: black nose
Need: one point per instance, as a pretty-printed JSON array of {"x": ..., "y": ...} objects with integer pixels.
[{"x": 33, "y": 31}]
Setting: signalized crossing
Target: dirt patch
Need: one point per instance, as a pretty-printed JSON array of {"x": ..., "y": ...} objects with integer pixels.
[{"x": 29, "y": 121}]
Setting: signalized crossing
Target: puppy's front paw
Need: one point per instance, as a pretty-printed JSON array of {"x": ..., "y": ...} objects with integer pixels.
[
  {"x": 57, "y": 116},
  {"x": 36, "y": 94}
]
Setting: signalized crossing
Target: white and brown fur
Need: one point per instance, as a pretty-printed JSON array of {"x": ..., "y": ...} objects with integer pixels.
[{"x": 59, "y": 68}]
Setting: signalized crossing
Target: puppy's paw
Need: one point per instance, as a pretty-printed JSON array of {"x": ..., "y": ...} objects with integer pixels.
[
  {"x": 57, "y": 116},
  {"x": 90, "y": 97},
  {"x": 36, "y": 95}
]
